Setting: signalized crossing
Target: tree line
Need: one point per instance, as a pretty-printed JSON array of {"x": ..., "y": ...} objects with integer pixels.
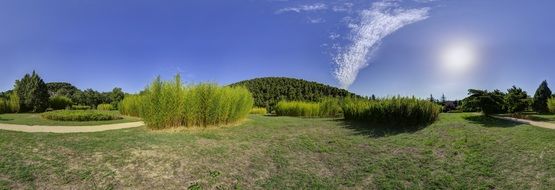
[
  {"x": 515, "y": 100},
  {"x": 34, "y": 95},
  {"x": 267, "y": 92}
]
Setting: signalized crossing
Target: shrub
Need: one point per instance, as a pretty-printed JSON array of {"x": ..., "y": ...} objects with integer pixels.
[
  {"x": 551, "y": 104},
  {"x": 167, "y": 104},
  {"x": 80, "y": 115},
  {"x": 60, "y": 102},
  {"x": 131, "y": 105},
  {"x": 105, "y": 107},
  {"x": 80, "y": 107},
  {"x": 393, "y": 112},
  {"x": 259, "y": 111}
]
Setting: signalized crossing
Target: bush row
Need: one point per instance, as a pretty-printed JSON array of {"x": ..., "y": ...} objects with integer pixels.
[
  {"x": 167, "y": 104},
  {"x": 80, "y": 115},
  {"x": 326, "y": 108},
  {"x": 396, "y": 111}
]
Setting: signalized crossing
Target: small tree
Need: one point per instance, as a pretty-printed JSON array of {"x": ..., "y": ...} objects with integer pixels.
[
  {"x": 540, "y": 98},
  {"x": 488, "y": 102},
  {"x": 516, "y": 99},
  {"x": 32, "y": 92},
  {"x": 443, "y": 99}
]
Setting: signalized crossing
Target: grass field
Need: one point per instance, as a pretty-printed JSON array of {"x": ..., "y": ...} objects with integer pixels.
[
  {"x": 460, "y": 151},
  {"x": 36, "y": 119}
]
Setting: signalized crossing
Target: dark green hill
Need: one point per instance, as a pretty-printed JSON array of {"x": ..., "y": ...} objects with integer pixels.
[{"x": 270, "y": 90}]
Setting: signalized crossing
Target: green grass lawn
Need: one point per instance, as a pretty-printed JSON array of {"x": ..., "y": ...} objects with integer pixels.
[
  {"x": 461, "y": 151},
  {"x": 36, "y": 119}
]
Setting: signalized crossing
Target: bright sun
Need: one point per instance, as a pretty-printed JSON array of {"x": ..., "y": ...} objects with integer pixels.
[{"x": 458, "y": 57}]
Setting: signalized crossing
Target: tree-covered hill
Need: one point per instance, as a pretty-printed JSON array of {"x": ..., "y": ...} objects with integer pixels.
[{"x": 270, "y": 90}]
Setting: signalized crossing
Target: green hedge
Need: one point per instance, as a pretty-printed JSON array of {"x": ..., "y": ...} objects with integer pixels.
[
  {"x": 392, "y": 112},
  {"x": 80, "y": 115},
  {"x": 167, "y": 104},
  {"x": 79, "y": 107}
]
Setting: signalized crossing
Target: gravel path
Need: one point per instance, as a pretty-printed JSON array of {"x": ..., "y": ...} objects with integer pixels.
[
  {"x": 529, "y": 122},
  {"x": 68, "y": 129}
]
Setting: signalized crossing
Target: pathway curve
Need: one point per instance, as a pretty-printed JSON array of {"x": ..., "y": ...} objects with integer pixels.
[
  {"x": 529, "y": 122},
  {"x": 68, "y": 129}
]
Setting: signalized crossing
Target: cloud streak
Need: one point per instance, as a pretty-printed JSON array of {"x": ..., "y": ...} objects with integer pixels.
[
  {"x": 303, "y": 8},
  {"x": 375, "y": 23}
]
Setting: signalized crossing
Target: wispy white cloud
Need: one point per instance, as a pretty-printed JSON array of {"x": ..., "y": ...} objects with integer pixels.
[
  {"x": 303, "y": 8},
  {"x": 374, "y": 24}
]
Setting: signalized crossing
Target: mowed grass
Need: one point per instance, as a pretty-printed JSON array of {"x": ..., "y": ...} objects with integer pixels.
[
  {"x": 460, "y": 151},
  {"x": 36, "y": 119}
]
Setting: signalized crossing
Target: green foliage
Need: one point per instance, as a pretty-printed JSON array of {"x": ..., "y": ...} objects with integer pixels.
[
  {"x": 328, "y": 107},
  {"x": 62, "y": 89},
  {"x": 80, "y": 107},
  {"x": 551, "y": 104},
  {"x": 13, "y": 103},
  {"x": 105, "y": 107},
  {"x": 392, "y": 112},
  {"x": 516, "y": 100},
  {"x": 488, "y": 102},
  {"x": 167, "y": 104},
  {"x": 259, "y": 111},
  {"x": 298, "y": 109},
  {"x": 131, "y": 105},
  {"x": 80, "y": 115},
  {"x": 33, "y": 93},
  {"x": 540, "y": 98},
  {"x": 116, "y": 96},
  {"x": 60, "y": 102},
  {"x": 267, "y": 92}
]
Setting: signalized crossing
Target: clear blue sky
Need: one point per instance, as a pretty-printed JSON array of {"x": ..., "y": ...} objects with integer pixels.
[{"x": 370, "y": 47}]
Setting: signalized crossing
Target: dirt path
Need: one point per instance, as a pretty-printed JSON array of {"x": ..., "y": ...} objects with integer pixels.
[
  {"x": 529, "y": 122},
  {"x": 68, "y": 129}
]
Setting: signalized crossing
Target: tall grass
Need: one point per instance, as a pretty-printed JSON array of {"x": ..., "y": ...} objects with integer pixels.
[
  {"x": 396, "y": 111},
  {"x": 131, "y": 105},
  {"x": 105, "y": 107},
  {"x": 9, "y": 105},
  {"x": 326, "y": 108},
  {"x": 259, "y": 111},
  {"x": 551, "y": 104},
  {"x": 167, "y": 104}
]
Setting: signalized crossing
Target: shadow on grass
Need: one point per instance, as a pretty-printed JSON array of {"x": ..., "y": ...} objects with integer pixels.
[
  {"x": 377, "y": 130},
  {"x": 487, "y": 121},
  {"x": 3, "y": 119}
]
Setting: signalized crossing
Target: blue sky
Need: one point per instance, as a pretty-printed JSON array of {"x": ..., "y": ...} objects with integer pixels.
[{"x": 370, "y": 47}]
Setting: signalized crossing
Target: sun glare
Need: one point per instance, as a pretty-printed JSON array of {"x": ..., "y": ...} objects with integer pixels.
[{"x": 458, "y": 57}]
